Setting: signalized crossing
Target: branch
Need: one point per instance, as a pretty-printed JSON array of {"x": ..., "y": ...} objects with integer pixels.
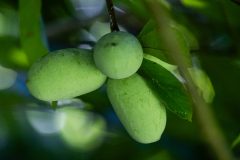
[
  {"x": 113, "y": 22},
  {"x": 202, "y": 111}
]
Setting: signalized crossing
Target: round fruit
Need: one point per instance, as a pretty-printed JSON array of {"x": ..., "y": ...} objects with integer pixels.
[
  {"x": 138, "y": 108},
  {"x": 118, "y": 55},
  {"x": 64, "y": 74}
]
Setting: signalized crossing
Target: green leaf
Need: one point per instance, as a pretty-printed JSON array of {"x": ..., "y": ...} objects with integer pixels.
[
  {"x": 236, "y": 141},
  {"x": 169, "y": 88},
  {"x": 156, "y": 53},
  {"x": 187, "y": 36},
  {"x": 135, "y": 6},
  {"x": 219, "y": 11},
  {"x": 30, "y": 29},
  {"x": 230, "y": 10},
  {"x": 8, "y": 21},
  {"x": 10, "y": 53},
  {"x": 149, "y": 26},
  {"x": 149, "y": 38},
  {"x": 203, "y": 83}
]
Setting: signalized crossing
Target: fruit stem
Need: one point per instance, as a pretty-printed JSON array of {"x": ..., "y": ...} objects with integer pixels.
[
  {"x": 113, "y": 21},
  {"x": 202, "y": 111}
]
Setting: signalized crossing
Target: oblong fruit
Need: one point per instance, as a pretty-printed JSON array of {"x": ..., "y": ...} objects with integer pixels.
[
  {"x": 138, "y": 108},
  {"x": 118, "y": 55},
  {"x": 64, "y": 74}
]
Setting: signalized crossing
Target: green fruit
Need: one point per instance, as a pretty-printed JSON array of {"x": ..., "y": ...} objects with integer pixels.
[
  {"x": 64, "y": 74},
  {"x": 138, "y": 108},
  {"x": 118, "y": 55}
]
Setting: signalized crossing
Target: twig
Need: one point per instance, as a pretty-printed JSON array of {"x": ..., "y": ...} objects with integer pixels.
[
  {"x": 113, "y": 22},
  {"x": 202, "y": 112}
]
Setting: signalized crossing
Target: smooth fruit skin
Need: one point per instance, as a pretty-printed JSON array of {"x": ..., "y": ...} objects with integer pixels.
[
  {"x": 64, "y": 74},
  {"x": 138, "y": 108},
  {"x": 118, "y": 55}
]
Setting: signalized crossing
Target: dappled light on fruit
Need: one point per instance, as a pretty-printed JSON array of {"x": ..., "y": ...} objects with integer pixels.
[
  {"x": 43, "y": 121},
  {"x": 81, "y": 130}
]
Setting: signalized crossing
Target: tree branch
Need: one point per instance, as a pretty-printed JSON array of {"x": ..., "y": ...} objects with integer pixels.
[
  {"x": 113, "y": 22},
  {"x": 202, "y": 111}
]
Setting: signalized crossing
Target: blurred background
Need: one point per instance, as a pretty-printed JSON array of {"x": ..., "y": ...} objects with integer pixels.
[{"x": 86, "y": 128}]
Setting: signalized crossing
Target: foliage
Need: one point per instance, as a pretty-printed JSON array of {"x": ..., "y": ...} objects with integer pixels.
[
  {"x": 208, "y": 32},
  {"x": 170, "y": 89}
]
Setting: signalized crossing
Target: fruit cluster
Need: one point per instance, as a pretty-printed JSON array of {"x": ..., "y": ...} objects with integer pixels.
[{"x": 69, "y": 73}]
